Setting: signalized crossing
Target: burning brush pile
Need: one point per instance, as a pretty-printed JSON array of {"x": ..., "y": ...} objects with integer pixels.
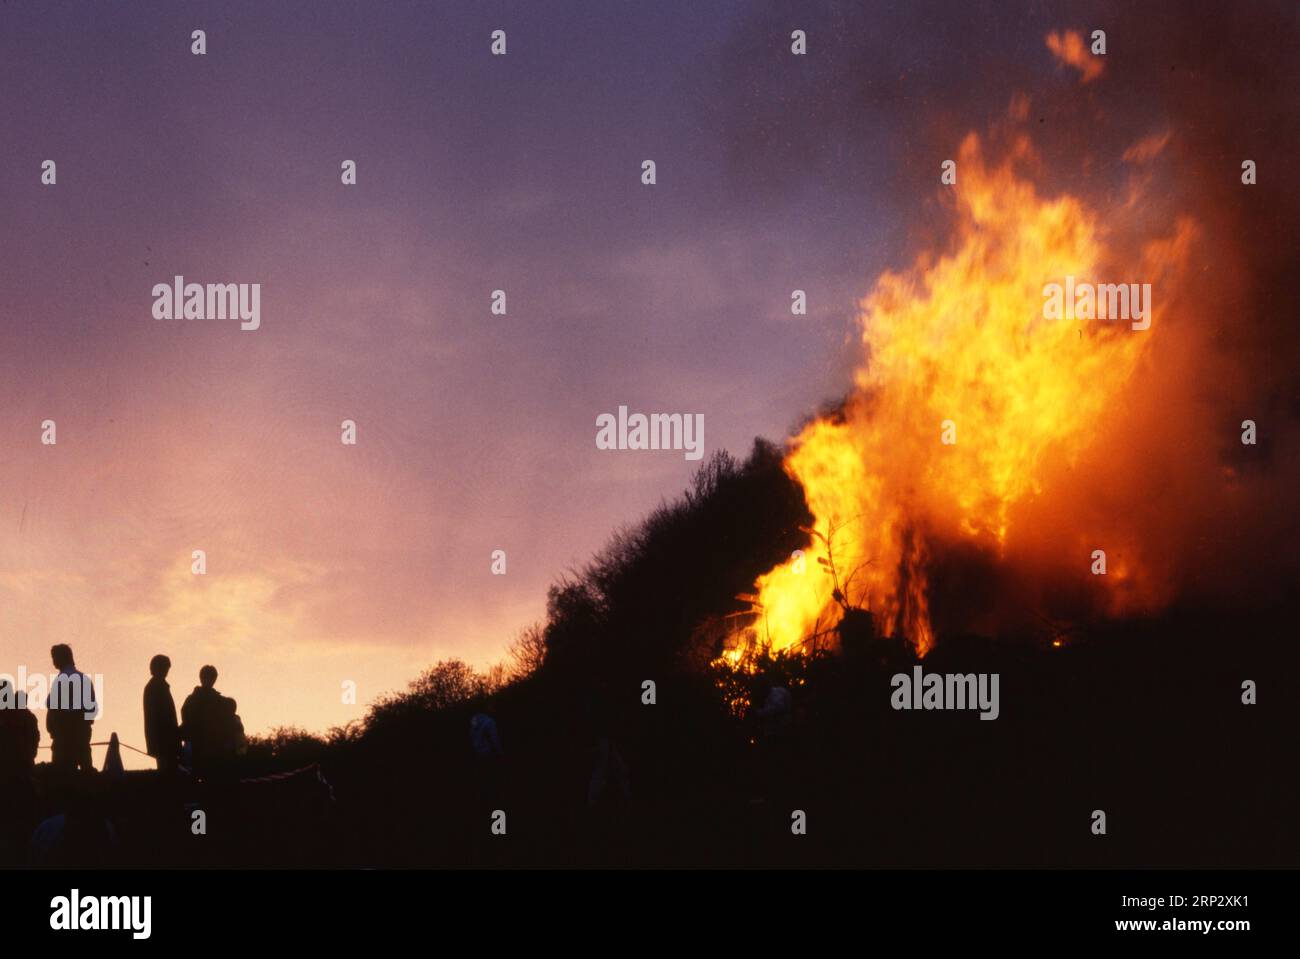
[{"x": 1046, "y": 424}]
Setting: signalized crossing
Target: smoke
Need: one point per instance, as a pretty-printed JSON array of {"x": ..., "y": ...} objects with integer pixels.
[
  {"x": 1153, "y": 146},
  {"x": 1191, "y": 93}
]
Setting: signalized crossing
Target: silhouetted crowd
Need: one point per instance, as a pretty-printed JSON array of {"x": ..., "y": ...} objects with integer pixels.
[
  {"x": 204, "y": 743},
  {"x": 59, "y": 813}
]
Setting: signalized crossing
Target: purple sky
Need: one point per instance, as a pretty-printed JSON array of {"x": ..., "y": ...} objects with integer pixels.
[{"x": 475, "y": 172}]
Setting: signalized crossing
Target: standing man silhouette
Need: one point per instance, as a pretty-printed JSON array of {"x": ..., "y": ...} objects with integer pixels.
[
  {"x": 201, "y": 722},
  {"x": 161, "y": 733},
  {"x": 20, "y": 736},
  {"x": 485, "y": 742},
  {"x": 70, "y": 712}
]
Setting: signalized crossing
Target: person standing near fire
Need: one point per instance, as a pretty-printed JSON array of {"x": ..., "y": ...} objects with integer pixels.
[
  {"x": 161, "y": 732},
  {"x": 70, "y": 712},
  {"x": 20, "y": 737}
]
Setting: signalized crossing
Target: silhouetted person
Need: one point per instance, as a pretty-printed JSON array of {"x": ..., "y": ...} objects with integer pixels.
[
  {"x": 20, "y": 737},
  {"x": 233, "y": 742},
  {"x": 608, "y": 768},
  {"x": 775, "y": 719},
  {"x": 70, "y": 712},
  {"x": 202, "y": 718},
  {"x": 775, "y": 713},
  {"x": 485, "y": 741},
  {"x": 20, "y": 734},
  {"x": 81, "y": 835},
  {"x": 162, "y": 738}
]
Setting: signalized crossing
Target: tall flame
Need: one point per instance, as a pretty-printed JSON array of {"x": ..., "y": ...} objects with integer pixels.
[{"x": 958, "y": 344}]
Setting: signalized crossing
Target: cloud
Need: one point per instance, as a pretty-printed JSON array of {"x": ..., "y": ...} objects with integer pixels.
[{"x": 228, "y": 611}]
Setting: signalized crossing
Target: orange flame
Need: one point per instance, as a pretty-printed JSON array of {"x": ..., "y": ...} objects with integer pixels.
[{"x": 967, "y": 403}]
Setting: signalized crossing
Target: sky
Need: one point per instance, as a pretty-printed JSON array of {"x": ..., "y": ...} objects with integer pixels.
[{"x": 327, "y": 562}]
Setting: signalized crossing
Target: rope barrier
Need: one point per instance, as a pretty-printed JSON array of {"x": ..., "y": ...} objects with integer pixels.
[
  {"x": 277, "y": 776},
  {"x": 273, "y": 777},
  {"x": 119, "y": 742}
]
